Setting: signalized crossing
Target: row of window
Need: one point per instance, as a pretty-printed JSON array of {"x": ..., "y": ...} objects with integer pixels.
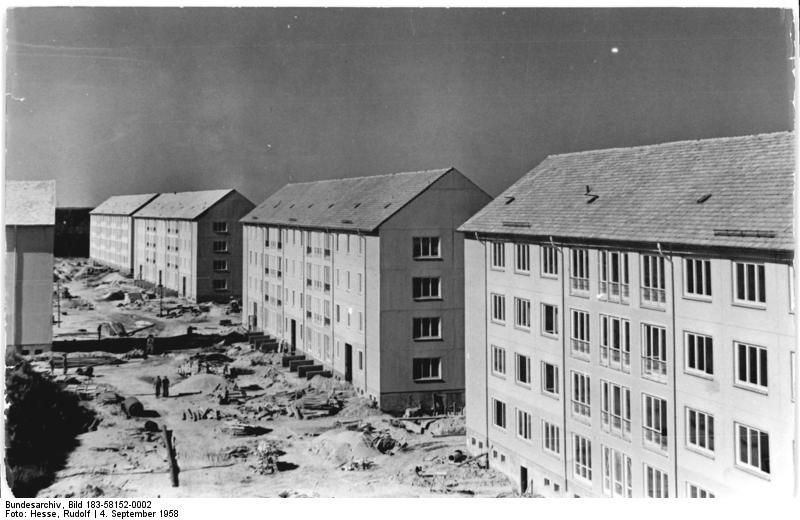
[
  {"x": 613, "y": 279},
  {"x": 752, "y": 444},
  {"x": 522, "y": 314}
]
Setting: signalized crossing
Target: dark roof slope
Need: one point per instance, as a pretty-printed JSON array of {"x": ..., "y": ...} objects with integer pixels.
[
  {"x": 185, "y": 205},
  {"x": 359, "y": 203},
  {"x": 728, "y": 192},
  {"x": 123, "y": 204},
  {"x": 30, "y": 203}
]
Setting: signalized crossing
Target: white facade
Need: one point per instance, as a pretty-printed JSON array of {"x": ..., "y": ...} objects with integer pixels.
[{"x": 111, "y": 241}]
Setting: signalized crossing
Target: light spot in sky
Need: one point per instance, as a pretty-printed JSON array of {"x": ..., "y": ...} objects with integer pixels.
[
  {"x": 288, "y": 26},
  {"x": 614, "y": 50}
]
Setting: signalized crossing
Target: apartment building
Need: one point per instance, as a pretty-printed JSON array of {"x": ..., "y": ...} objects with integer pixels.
[
  {"x": 191, "y": 243},
  {"x": 30, "y": 209},
  {"x": 630, "y": 325},
  {"x": 365, "y": 275},
  {"x": 111, "y": 230}
]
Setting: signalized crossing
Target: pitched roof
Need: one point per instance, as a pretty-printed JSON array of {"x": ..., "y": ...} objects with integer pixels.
[
  {"x": 123, "y": 204},
  {"x": 30, "y": 203},
  {"x": 358, "y": 203},
  {"x": 655, "y": 194},
  {"x": 185, "y": 205}
]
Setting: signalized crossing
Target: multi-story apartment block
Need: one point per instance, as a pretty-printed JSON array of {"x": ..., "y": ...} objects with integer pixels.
[
  {"x": 30, "y": 210},
  {"x": 630, "y": 322},
  {"x": 365, "y": 275},
  {"x": 191, "y": 243},
  {"x": 111, "y": 230}
]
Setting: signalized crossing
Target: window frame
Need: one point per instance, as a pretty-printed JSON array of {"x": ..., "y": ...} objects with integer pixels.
[
  {"x": 746, "y": 466},
  {"x": 709, "y": 431},
  {"x": 495, "y": 416},
  {"x": 522, "y": 360},
  {"x": 609, "y": 475},
  {"x": 422, "y": 321},
  {"x": 579, "y": 262},
  {"x": 656, "y": 272},
  {"x": 705, "y": 347},
  {"x": 524, "y": 423},
  {"x": 655, "y": 432},
  {"x": 216, "y": 269},
  {"x": 605, "y": 274},
  {"x": 499, "y": 354},
  {"x": 223, "y": 229},
  {"x": 608, "y": 412},
  {"x": 214, "y": 284},
  {"x": 607, "y": 349},
  {"x": 556, "y": 393},
  {"x": 497, "y": 256},
  {"x": 522, "y": 251},
  {"x": 760, "y": 284},
  {"x": 432, "y": 377},
  {"x": 747, "y": 385},
  {"x": 584, "y": 317},
  {"x": 522, "y": 309},
  {"x": 582, "y": 458},
  {"x": 497, "y": 298},
  {"x": 581, "y": 396},
  {"x": 654, "y": 353},
  {"x": 543, "y": 317},
  {"x": 216, "y": 250},
  {"x": 651, "y": 473},
  {"x": 551, "y": 434},
  {"x": 423, "y": 281},
  {"x": 418, "y": 244},
  {"x": 546, "y": 251},
  {"x": 697, "y": 491},
  {"x": 707, "y": 279}
]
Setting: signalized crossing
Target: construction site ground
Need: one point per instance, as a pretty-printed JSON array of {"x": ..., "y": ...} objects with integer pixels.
[{"x": 322, "y": 456}]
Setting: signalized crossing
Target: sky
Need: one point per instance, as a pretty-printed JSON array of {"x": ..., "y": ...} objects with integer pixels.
[{"x": 111, "y": 101}]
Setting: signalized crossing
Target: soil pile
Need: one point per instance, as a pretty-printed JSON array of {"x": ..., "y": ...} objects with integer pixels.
[{"x": 205, "y": 383}]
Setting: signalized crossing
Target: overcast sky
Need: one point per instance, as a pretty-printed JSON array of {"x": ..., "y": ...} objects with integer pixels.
[{"x": 128, "y": 100}]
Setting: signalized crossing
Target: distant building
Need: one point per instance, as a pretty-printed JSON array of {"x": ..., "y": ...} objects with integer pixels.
[
  {"x": 630, "y": 322},
  {"x": 29, "y": 219},
  {"x": 111, "y": 239},
  {"x": 365, "y": 275},
  {"x": 191, "y": 242},
  {"x": 72, "y": 232}
]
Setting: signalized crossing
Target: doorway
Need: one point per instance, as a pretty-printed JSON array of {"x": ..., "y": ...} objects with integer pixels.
[
  {"x": 184, "y": 286},
  {"x": 293, "y": 334},
  {"x": 348, "y": 362},
  {"x": 523, "y": 480}
]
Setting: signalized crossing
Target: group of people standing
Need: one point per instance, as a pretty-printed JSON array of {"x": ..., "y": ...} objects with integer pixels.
[{"x": 162, "y": 386}]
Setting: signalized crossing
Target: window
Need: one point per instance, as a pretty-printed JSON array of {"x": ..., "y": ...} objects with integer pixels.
[
  {"x": 552, "y": 438},
  {"x": 549, "y": 379},
  {"x": 549, "y": 261},
  {"x": 617, "y": 478},
  {"x": 700, "y": 430},
  {"x": 338, "y": 312},
  {"x": 523, "y": 369},
  {"x": 220, "y": 246},
  {"x": 653, "y": 281},
  {"x": 699, "y": 353},
  {"x": 654, "y": 352},
  {"x": 579, "y": 272},
  {"x": 522, "y": 313},
  {"x": 220, "y": 285},
  {"x": 793, "y": 374},
  {"x": 523, "y": 258},
  {"x": 615, "y": 343},
  {"x": 498, "y": 308},
  {"x": 427, "y": 328},
  {"x": 694, "y": 491},
  {"x": 523, "y": 425},
  {"x": 220, "y": 227},
  {"x": 751, "y": 366},
  {"x": 697, "y": 278},
  {"x": 361, "y": 361},
  {"x": 615, "y": 412},
  {"x": 579, "y": 334},
  {"x": 613, "y": 274},
  {"x": 424, "y": 288},
  {"x": 655, "y": 422},
  {"x": 498, "y": 360},
  {"x": 549, "y": 319},
  {"x": 582, "y": 457},
  {"x": 655, "y": 482},
  {"x": 752, "y": 448},
  {"x": 359, "y": 281},
  {"x": 360, "y": 320},
  {"x": 749, "y": 283},
  {"x": 220, "y": 265},
  {"x": 499, "y": 413},
  {"x": 427, "y": 369},
  {"x": 498, "y": 260},
  {"x": 791, "y": 289},
  {"x": 426, "y": 247},
  {"x": 581, "y": 395}
]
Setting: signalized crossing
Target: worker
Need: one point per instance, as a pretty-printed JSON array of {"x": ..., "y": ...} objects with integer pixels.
[
  {"x": 165, "y": 386},
  {"x": 151, "y": 345},
  {"x": 52, "y": 365},
  {"x": 158, "y": 386},
  {"x": 65, "y": 363}
]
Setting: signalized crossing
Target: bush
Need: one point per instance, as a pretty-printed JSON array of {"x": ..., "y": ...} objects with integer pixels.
[{"x": 41, "y": 425}]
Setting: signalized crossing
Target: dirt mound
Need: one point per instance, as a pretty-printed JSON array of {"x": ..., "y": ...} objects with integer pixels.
[
  {"x": 359, "y": 407},
  {"x": 204, "y": 383},
  {"x": 449, "y": 426},
  {"x": 340, "y": 447}
]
